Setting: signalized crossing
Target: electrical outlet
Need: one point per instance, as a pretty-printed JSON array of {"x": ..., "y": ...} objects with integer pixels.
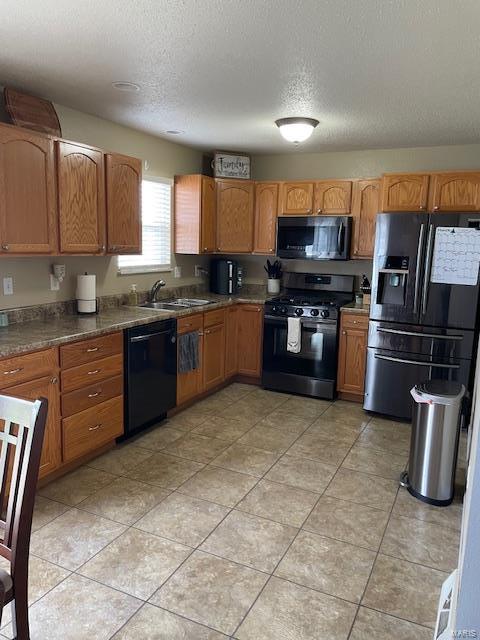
[
  {"x": 54, "y": 283},
  {"x": 177, "y": 272},
  {"x": 8, "y": 286},
  {"x": 199, "y": 271}
]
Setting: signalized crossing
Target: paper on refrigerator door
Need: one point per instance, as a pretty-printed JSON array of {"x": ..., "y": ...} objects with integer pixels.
[{"x": 456, "y": 256}]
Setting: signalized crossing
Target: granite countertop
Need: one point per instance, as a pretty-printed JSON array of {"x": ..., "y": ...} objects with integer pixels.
[
  {"x": 358, "y": 309},
  {"x": 41, "y": 334}
]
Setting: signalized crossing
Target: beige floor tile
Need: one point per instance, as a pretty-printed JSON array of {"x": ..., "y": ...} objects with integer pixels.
[
  {"x": 377, "y": 421},
  {"x": 80, "y": 609},
  {"x": 187, "y": 419},
  {"x": 211, "y": 591},
  {"x": 137, "y": 563},
  {"x": 45, "y": 511},
  {"x": 76, "y": 486},
  {"x": 349, "y": 522},
  {"x": 249, "y": 540},
  {"x": 314, "y": 446},
  {"x": 219, "y": 485},
  {"x": 196, "y": 447},
  {"x": 336, "y": 431},
  {"x": 247, "y": 409},
  {"x": 407, "y": 505},
  {"x": 243, "y": 459},
  {"x": 237, "y": 390},
  {"x": 380, "y": 463},
  {"x": 363, "y": 488},
  {"x": 423, "y": 542},
  {"x": 120, "y": 459},
  {"x": 212, "y": 404},
  {"x": 73, "y": 538},
  {"x": 404, "y": 590},
  {"x": 393, "y": 437},
  {"x": 279, "y": 502},
  {"x": 286, "y": 611},
  {"x": 228, "y": 429},
  {"x": 158, "y": 437},
  {"x": 124, "y": 500},
  {"x": 165, "y": 471},
  {"x": 305, "y": 407},
  {"x": 285, "y": 422},
  {"x": 302, "y": 473},
  {"x": 347, "y": 413},
  {"x": 182, "y": 518},
  {"x": 373, "y": 625},
  {"x": 152, "y": 623},
  {"x": 268, "y": 438},
  {"x": 330, "y": 566}
]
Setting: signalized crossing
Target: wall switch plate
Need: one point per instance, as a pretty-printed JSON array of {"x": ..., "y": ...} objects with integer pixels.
[
  {"x": 177, "y": 272},
  {"x": 54, "y": 283},
  {"x": 8, "y": 286}
]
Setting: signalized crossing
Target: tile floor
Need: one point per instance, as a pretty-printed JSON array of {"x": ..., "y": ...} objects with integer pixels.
[{"x": 252, "y": 515}]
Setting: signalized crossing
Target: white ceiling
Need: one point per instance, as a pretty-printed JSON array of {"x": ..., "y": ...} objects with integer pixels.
[{"x": 376, "y": 73}]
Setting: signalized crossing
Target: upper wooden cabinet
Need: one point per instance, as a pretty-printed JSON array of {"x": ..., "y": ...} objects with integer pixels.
[
  {"x": 27, "y": 193},
  {"x": 365, "y": 206},
  {"x": 333, "y": 197},
  {"x": 455, "y": 191},
  {"x": 266, "y": 207},
  {"x": 296, "y": 198},
  {"x": 235, "y": 216},
  {"x": 405, "y": 191},
  {"x": 194, "y": 212},
  {"x": 81, "y": 198},
  {"x": 124, "y": 226}
]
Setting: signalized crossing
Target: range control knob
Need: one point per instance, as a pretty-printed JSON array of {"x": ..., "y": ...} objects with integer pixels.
[
  {"x": 283, "y": 310},
  {"x": 299, "y": 311},
  {"x": 275, "y": 309},
  {"x": 325, "y": 313},
  {"x": 314, "y": 312}
]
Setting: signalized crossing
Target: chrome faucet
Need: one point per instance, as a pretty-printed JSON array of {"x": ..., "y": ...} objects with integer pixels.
[{"x": 154, "y": 290}]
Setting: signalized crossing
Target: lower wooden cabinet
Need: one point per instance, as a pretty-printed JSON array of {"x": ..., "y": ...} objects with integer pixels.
[
  {"x": 250, "y": 339},
  {"x": 231, "y": 341},
  {"x": 190, "y": 384},
  {"x": 213, "y": 356},
  {"x": 352, "y": 355}
]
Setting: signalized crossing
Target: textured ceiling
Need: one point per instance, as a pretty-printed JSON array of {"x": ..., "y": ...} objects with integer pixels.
[{"x": 376, "y": 73}]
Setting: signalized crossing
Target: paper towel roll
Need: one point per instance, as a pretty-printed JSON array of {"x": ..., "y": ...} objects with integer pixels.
[
  {"x": 86, "y": 287},
  {"x": 86, "y": 306}
]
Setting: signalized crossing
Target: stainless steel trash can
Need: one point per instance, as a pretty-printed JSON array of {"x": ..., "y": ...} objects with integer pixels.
[{"x": 434, "y": 441}]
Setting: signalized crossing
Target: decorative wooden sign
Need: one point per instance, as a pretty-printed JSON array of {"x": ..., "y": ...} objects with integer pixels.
[{"x": 231, "y": 165}]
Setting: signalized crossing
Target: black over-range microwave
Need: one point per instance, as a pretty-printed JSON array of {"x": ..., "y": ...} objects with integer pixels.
[{"x": 314, "y": 237}]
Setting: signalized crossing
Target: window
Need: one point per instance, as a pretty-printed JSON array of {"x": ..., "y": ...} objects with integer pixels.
[{"x": 156, "y": 229}]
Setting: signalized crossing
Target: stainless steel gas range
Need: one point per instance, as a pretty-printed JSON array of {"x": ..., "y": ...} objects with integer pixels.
[{"x": 315, "y": 299}]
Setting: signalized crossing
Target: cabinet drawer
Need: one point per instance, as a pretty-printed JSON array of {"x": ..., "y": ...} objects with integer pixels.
[
  {"x": 92, "y": 372},
  {"x": 353, "y": 321},
  {"x": 82, "y": 399},
  {"x": 71, "y": 355},
  {"x": 92, "y": 428},
  {"x": 190, "y": 323},
  {"x": 27, "y": 367},
  {"x": 217, "y": 316}
]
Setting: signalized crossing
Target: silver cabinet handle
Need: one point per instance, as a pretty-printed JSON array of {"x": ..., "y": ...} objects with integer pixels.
[
  {"x": 91, "y": 373},
  {"x": 54, "y": 380},
  {"x": 147, "y": 336},
  {"x": 437, "y": 365},
  {"x": 5, "y": 247},
  {"x": 94, "y": 395},
  {"x": 428, "y": 266},
  {"x": 92, "y": 350},
  {"x": 12, "y": 371},
  {"x": 400, "y": 332},
  {"x": 418, "y": 270},
  {"x": 96, "y": 427}
]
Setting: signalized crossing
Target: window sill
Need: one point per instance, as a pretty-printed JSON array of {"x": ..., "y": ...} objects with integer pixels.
[{"x": 128, "y": 271}]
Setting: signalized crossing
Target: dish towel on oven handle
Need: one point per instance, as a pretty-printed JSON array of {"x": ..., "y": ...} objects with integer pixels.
[{"x": 294, "y": 335}]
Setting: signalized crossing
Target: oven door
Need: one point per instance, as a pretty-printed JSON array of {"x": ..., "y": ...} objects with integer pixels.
[
  {"x": 314, "y": 237},
  {"x": 313, "y": 370}
]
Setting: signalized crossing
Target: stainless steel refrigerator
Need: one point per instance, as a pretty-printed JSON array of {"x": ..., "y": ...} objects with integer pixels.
[{"x": 423, "y": 313}]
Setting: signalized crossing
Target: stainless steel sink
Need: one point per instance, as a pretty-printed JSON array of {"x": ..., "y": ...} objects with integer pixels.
[
  {"x": 193, "y": 302},
  {"x": 176, "y": 304}
]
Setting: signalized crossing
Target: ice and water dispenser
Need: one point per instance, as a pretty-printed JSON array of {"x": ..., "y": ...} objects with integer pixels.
[{"x": 393, "y": 281}]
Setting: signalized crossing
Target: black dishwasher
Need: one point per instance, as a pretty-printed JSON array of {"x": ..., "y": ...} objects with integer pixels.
[{"x": 150, "y": 373}]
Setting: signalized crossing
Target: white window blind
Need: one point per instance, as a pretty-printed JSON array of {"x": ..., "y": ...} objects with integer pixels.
[{"x": 156, "y": 229}]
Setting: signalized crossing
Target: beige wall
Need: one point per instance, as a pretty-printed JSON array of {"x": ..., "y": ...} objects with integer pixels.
[{"x": 165, "y": 159}]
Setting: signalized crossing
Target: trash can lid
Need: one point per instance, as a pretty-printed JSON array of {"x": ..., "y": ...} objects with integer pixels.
[{"x": 438, "y": 392}]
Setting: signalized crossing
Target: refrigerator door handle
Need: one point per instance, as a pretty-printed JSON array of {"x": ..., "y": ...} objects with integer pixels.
[
  {"x": 420, "y": 363},
  {"x": 417, "y": 334},
  {"x": 428, "y": 267},
  {"x": 418, "y": 270}
]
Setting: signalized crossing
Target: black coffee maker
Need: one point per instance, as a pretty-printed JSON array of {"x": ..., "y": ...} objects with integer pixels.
[{"x": 225, "y": 276}]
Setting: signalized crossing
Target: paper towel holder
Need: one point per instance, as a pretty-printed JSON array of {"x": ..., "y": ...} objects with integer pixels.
[{"x": 87, "y": 302}]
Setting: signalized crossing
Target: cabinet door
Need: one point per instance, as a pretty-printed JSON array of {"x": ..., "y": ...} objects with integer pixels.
[
  {"x": 124, "y": 228},
  {"x": 27, "y": 193},
  {"x": 231, "y": 341},
  {"x": 351, "y": 360},
  {"x": 81, "y": 199},
  {"x": 208, "y": 217},
  {"x": 250, "y": 339},
  {"x": 46, "y": 387},
  {"x": 213, "y": 356},
  {"x": 405, "y": 191},
  {"x": 190, "y": 384},
  {"x": 455, "y": 191},
  {"x": 266, "y": 207},
  {"x": 365, "y": 206},
  {"x": 234, "y": 216},
  {"x": 333, "y": 196},
  {"x": 296, "y": 198}
]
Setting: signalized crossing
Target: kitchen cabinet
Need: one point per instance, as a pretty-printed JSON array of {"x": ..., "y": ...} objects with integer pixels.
[
  {"x": 213, "y": 352},
  {"x": 235, "y": 199},
  {"x": 365, "y": 206},
  {"x": 81, "y": 198},
  {"x": 231, "y": 341},
  {"x": 250, "y": 339},
  {"x": 266, "y": 207},
  {"x": 352, "y": 356},
  {"x": 455, "y": 191},
  {"x": 124, "y": 227},
  {"x": 28, "y": 222},
  {"x": 333, "y": 197},
  {"x": 404, "y": 191},
  {"x": 296, "y": 198},
  {"x": 194, "y": 214},
  {"x": 190, "y": 384}
]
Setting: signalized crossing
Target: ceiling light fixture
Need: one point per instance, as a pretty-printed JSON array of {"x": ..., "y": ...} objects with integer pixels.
[
  {"x": 174, "y": 132},
  {"x": 122, "y": 85},
  {"x": 296, "y": 129}
]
